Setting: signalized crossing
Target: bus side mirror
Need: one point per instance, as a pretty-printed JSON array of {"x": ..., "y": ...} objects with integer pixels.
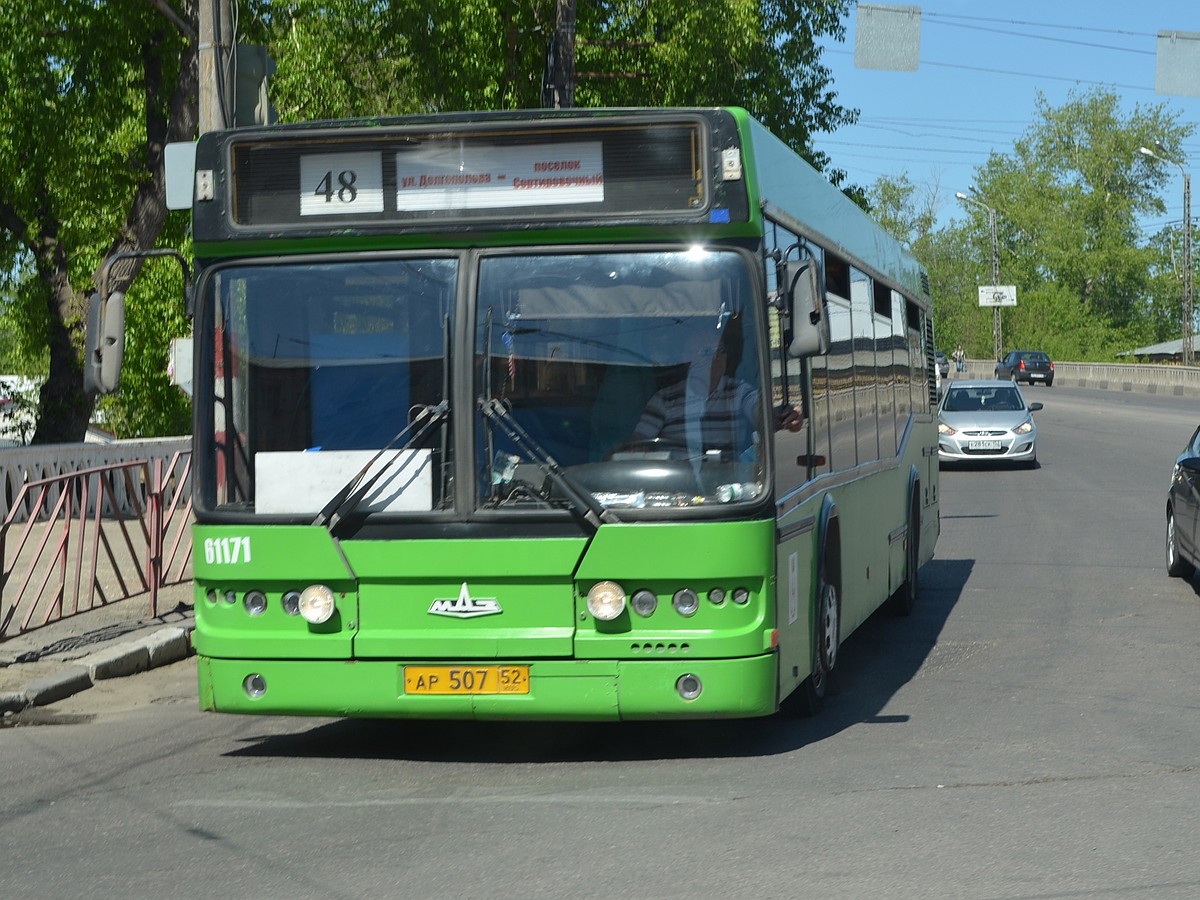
[
  {"x": 105, "y": 348},
  {"x": 806, "y": 310}
]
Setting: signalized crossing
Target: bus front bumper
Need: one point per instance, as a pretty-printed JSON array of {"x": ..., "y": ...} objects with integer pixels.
[{"x": 582, "y": 690}]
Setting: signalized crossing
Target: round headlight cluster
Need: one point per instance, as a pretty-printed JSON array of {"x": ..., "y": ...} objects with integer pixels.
[
  {"x": 644, "y": 602},
  {"x": 317, "y": 604},
  {"x": 685, "y": 602},
  {"x": 606, "y": 600},
  {"x": 255, "y": 602}
]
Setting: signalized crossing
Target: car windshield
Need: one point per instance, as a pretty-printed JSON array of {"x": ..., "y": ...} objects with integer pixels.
[{"x": 983, "y": 399}]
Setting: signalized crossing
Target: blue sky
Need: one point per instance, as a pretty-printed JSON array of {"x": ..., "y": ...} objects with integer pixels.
[{"x": 982, "y": 64}]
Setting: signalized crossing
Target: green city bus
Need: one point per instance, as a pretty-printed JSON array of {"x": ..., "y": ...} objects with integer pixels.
[{"x": 556, "y": 414}]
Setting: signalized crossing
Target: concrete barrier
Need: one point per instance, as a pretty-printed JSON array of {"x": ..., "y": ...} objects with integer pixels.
[{"x": 1176, "y": 381}]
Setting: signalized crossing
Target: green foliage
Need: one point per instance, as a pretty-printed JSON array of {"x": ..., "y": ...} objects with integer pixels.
[
  {"x": 148, "y": 404},
  {"x": 73, "y": 151},
  {"x": 896, "y": 206},
  {"x": 85, "y": 82},
  {"x": 1067, "y": 201},
  {"x": 410, "y": 56}
]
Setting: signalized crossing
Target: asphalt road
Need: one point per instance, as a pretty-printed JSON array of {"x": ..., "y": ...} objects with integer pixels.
[{"x": 1031, "y": 731}]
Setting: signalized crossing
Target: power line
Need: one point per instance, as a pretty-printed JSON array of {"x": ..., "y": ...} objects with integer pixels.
[
  {"x": 1071, "y": 27},
  {"x": 1046, "y": 37},
  {"x": 991, "y": 71}
]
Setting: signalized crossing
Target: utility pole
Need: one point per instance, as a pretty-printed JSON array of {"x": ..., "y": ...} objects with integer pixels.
[
  {"x": 216, "y": 48},
  {"x": 997, "y": 341},
  {"x": 997, "y": 337},
  {"x": 1188, "y": 328},
  {"x": 558, "y": 85}
]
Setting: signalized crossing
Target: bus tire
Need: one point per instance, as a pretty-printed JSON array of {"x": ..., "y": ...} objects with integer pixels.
[
  {"x": 904, "y": 600},
  {"x": 809, "y": 698}
]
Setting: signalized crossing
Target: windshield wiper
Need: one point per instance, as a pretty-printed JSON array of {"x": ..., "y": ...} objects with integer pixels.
[
  {"x": 581, "y": 501},
  {"x": 352, "y": 492}
]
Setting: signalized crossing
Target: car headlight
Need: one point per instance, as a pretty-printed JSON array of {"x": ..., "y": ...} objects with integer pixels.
[
  {"x": 943, "y": 428},
  {"x": 1024, "y": 428}
]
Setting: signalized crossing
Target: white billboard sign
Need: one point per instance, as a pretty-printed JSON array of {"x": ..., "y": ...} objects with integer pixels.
[{"x": 998, "y": 295}]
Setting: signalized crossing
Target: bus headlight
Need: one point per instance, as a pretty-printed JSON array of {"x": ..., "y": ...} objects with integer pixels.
[
  {"x": 606, "y": 600},
  {"x": 644, "y": 602},
  {"x": 686, "y": 602},
  {"x": 291, "y": 603},
  {"x": 317, "y": 604},
  {"x": 255, "y": 602}
]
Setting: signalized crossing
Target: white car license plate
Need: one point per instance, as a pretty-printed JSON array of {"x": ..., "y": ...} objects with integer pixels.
[
  {"x": 984, "y": 445},
  {"x": 1036, "y": 375}
]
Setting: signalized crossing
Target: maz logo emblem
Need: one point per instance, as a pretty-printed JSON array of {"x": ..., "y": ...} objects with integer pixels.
[{"x": 466, "y": 606}]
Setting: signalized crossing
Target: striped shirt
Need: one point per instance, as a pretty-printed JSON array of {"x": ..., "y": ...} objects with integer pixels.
[{"x": 725, "y": 419}]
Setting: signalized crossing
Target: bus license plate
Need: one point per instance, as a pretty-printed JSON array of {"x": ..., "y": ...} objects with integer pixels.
[
  {"x": 983, "y": 445},
  {"x": 466, "y": 679}
]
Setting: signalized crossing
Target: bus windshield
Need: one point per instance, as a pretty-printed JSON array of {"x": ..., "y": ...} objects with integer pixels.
[
  {"x": 637, "y": 372},
  {"x": 630, "y": 379},
  {"x": 317, "y": 367}
]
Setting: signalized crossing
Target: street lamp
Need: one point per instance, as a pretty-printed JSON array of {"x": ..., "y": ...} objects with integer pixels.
[
  {"x": 1188, "y": 328},
  {"x": 997, "y": 344}
]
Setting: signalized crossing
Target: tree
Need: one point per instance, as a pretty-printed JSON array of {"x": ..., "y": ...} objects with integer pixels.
[
  {"x": 92, "y": 93},
  {"x": 894, "y": 203},
  {"x": 909, "y": 214},
  {"x": 443, "y": 55},
  {"x": 1068, "y": 199}
]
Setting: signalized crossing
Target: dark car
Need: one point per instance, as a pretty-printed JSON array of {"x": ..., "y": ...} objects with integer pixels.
[
  {"x": 943, "y": 363},
  {"x": 1030, "y": 366},
  {"x": 1183, "y": 511}
]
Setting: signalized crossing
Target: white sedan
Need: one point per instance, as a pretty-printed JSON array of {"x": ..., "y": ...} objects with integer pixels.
[{"x": 986, "y": 421}]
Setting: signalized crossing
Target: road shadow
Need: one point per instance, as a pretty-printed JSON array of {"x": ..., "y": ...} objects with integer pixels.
[{"x": 877, "y": 660}]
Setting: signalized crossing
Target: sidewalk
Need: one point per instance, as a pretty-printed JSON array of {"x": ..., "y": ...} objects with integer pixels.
[{"x": 60, "y": 659}]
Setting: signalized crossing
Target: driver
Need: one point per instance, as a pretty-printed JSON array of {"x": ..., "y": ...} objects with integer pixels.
[{"x": 708, "y": 409}]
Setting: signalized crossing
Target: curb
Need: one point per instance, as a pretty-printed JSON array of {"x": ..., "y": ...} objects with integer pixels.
[{"x": 157, "y": 648}]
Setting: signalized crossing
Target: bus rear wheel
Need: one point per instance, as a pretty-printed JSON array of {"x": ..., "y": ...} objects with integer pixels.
[{"x": 904, "y": 600}]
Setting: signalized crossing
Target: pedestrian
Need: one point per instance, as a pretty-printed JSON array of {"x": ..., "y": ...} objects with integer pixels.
[{"x": 960, "y": 359}]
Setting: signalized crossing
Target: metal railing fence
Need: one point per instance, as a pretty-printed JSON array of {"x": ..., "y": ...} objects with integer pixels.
[{"x": 73, "y": 541}]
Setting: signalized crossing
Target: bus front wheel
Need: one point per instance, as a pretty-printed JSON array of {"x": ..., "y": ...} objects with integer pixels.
[{"x": 809, "y": 698}]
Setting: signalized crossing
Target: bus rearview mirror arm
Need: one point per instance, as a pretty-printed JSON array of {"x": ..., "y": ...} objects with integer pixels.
[{"x": 104, "y": 350}]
